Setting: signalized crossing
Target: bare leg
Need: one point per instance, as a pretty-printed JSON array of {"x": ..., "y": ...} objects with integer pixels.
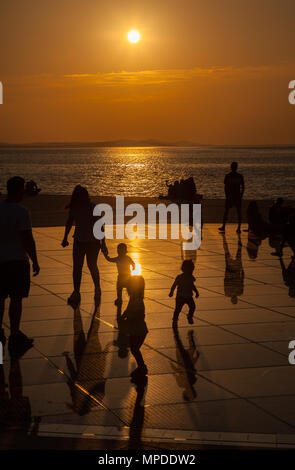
[
  {"x": 78, "y": 261},
  {"x": 178, "y": 306},
  {"x": 225, "y": 215},
  {"x": 135, "y": 345},
  {"x": 15, "y": 311},
  {"x": 91, "y": 257}
]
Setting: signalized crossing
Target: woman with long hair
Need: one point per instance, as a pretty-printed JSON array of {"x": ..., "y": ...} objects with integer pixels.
[{"x": 85, "y": 244}]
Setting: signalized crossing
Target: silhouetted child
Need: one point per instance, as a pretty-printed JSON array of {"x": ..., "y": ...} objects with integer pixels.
[
  {"x": 185, "y": 288},
  {"x": 133, "y": 322},
  {"x": 124, "y": 263}
]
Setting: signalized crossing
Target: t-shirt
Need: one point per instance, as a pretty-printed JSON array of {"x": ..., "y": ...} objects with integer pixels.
[
  {"x": 233, "y": 182},
  {"x": 123, "y": 265},
  {"x": 14, "y": 218},
  {"x": 84, "y": 222},
  {"x": 185, "y": 286}
]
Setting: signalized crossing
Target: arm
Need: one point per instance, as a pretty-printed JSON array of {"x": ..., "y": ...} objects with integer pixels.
[
  {"x": 29, "y": 245},
  {"x": 132, "y": 263},
  {"x": 111, "y": 260},
  {"x": 68, "y": 227},
  {"x": 196, "y": 291},
  {"x": 173, "y": 287}
]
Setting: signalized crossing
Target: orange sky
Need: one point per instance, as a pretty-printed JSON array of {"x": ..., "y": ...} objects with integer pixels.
[{"x": 212, "y": 72}]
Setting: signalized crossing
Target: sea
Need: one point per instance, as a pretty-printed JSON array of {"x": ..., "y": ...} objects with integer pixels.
[{"x": 269, "y": 172}]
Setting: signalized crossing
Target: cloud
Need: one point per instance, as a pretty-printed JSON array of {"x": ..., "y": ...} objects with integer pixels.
[{"x": 128, "y": 79}]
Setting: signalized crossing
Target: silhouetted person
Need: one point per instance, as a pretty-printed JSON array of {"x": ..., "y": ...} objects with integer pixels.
[
  {"x": 234, "y": 273},
  {"x": 16, "y": 246},
  {"x": 31, "y": 188},
  {"x": 288, "y": 236},
  {"x": 85, "y": 244},
  {"x": 124, "y": 264},
  {"x": 277, "y": 214},
  {"x": 253, "y": 245},
  {"x": 185, "y": 284},
  {"x": 257, "y": 224},
  {"x": 234, "y": 189},
  {"x": 133, "y": 323},
  {"x": 289, "y": 276},
  {"x": 187, "y": 358},
  {"x": 171, "y": 191},
  {"x": 89, "y": 368}
]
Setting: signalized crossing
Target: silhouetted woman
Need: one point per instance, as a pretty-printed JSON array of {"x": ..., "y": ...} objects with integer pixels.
[{"x": 81, "y": 214}]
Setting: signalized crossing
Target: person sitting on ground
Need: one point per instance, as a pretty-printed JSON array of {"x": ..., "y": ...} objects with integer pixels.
[
  {"x": 133, "y": 323},
  {"x": 289, "y": 276},
  {"x": 234, "y": 189},
  {"x": 185, "y": 284},
  {"x": 288, "y": 236},
  {"x": 277, "y": 214},
  {"x": 16, "y": 246},
  {"x": 85, "y": 244},
  {"x": 191, "y": 189},
  {"x": 31, "y": 188},
  {"x": 124, "y": 264}
]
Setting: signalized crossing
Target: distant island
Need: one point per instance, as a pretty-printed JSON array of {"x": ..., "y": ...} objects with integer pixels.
[{"x": 109, "y": 143}]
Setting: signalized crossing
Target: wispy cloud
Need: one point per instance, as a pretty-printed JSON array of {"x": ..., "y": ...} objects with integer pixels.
[{"x": 150, "y": 77}]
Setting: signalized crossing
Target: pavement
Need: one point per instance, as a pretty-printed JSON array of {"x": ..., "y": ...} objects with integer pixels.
[{"x": 225, "y": 380}]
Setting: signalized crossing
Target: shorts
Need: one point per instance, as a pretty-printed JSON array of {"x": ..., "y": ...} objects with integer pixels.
[{"x": 14, "y": 279}]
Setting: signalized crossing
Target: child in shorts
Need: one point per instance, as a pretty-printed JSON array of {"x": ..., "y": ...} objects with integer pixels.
[{"x": 124, "y": 263}]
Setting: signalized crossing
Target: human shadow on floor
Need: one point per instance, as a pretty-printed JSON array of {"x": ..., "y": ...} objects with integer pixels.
[
  {"x": 185, "y": 371},
  {"x": 137, "y": 422},
  {"x": 122, "y": 340},
  {"x": 15, "y": 408},
  {"x": 234, "y": 272},
  {"x": 87, "y": 372}
]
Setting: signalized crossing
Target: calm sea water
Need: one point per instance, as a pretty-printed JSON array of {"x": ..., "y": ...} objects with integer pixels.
[{"x": 269, "y": 171}]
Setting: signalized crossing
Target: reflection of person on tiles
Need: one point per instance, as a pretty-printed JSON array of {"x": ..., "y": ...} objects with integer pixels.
[
  {"x": 234, "y": 273},
  {"x": 15, "y": 409},
  {"x": 187, "y": 358},
  {"x": 90, "y": 359}
]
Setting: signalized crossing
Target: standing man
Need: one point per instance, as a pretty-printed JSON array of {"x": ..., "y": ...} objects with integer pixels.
[
  {"x": 16, "y": 245},
  {"x": 234, "y": 189}
]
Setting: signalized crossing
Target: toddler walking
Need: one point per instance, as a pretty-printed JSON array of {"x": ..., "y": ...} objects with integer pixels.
[
  {"x": 124, "y": 262},
  {"x": 133, "y": 323},
  {"x": 185, "y": 284}
]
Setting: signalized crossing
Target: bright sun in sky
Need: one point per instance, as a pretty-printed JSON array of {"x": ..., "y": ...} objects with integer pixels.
[{"x": 133, "y": 36}]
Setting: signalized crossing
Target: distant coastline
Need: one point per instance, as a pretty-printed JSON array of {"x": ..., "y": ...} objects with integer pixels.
[{"x": 134, "y": 143}]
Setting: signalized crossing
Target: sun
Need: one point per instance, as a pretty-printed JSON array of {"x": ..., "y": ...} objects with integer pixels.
[{"x": 133, "y": 36}]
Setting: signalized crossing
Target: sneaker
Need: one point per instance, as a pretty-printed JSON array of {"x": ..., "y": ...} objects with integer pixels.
[
  {"x": 74, "y": 299},
  {"x": 221, "y": 229},
  {"x": 139, "y": 371},
  {"x": 18, "y": 344},
  {"x": 190, "y": 319}
]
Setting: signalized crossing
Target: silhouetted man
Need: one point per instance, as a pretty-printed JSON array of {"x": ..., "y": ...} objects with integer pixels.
[
  {"x": 16, "y": 245},
  {"x": 234, "y": 189}
]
